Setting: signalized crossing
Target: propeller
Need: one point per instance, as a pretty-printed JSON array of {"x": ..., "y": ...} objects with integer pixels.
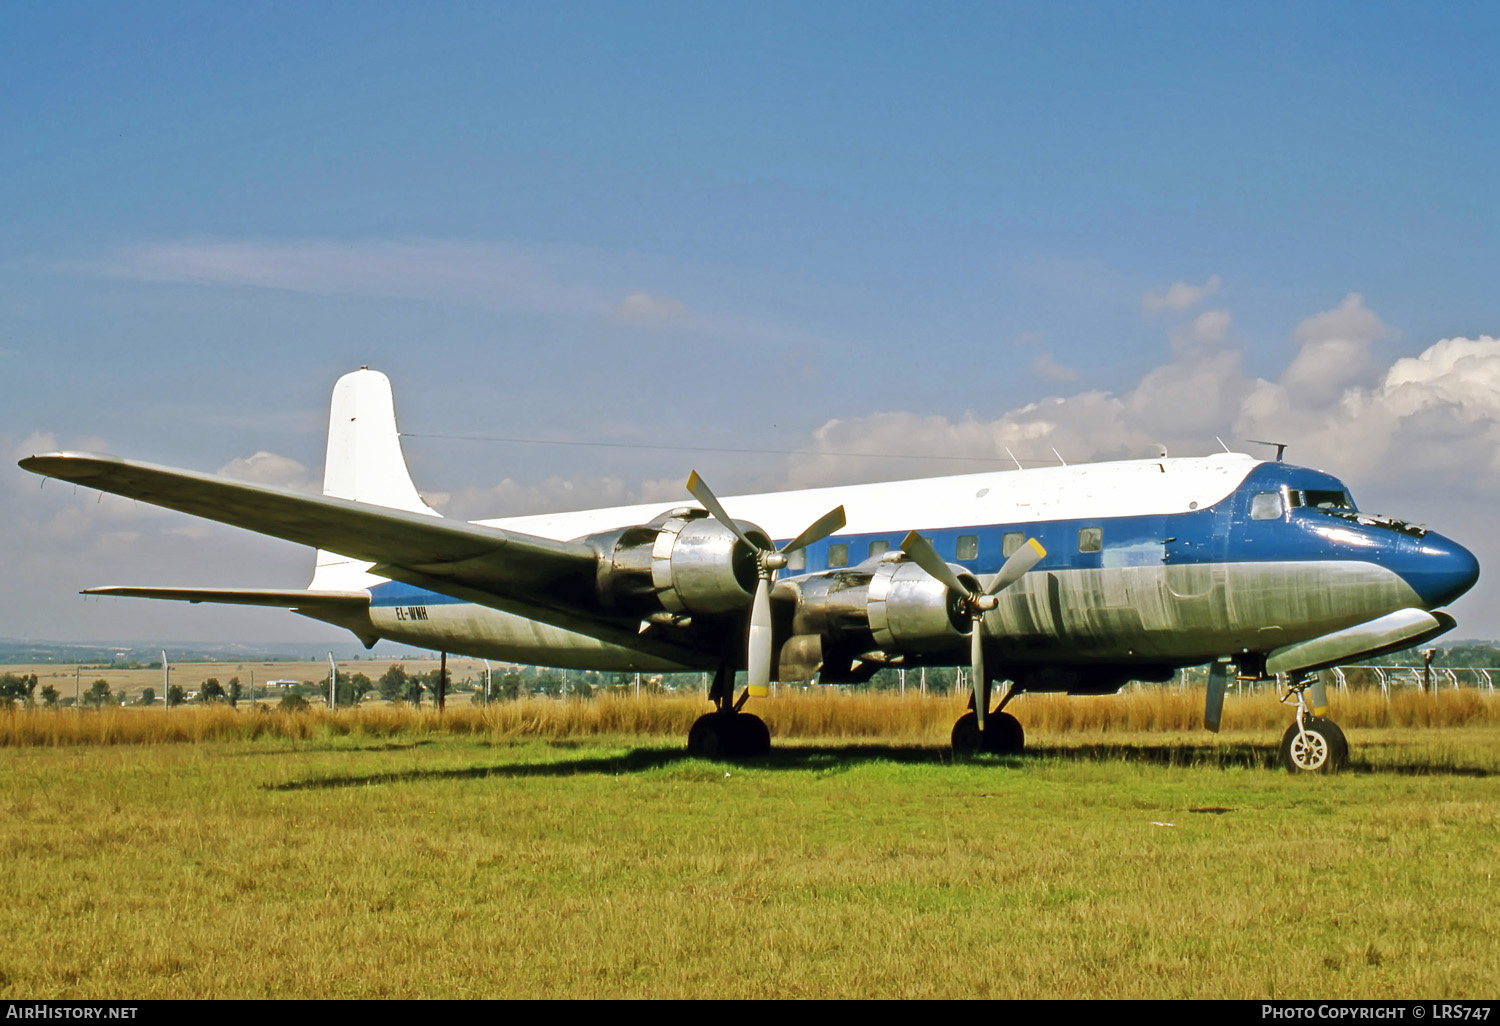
[
  {"x": 768, "y": 561},
  {"x": 1213, "y": 704},
  {"x": 975, "y": 603}
]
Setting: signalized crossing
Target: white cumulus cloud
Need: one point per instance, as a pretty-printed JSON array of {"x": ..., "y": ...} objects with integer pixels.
[
  {"x": 268, "y": 468},
  {"x": 1180, "y": 295}
]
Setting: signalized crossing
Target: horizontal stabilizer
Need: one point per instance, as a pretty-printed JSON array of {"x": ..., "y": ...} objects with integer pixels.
[
  {"x": 273, "y": 597},
  {"x": 1392, "y": 632}
]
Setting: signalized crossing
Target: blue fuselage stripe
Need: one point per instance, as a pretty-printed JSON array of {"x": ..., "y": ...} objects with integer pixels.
[{"x": 1222, "y": 533}]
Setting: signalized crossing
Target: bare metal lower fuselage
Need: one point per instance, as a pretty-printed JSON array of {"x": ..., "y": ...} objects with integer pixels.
[{"x": 1143, "y": 616}]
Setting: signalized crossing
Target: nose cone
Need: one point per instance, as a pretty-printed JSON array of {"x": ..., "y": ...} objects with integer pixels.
[{"x": 1441, "y": 570}]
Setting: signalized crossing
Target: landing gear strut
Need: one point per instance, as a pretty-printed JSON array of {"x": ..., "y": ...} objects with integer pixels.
[
  {"x": 1311, "y": 744},
  {"x": 728, "y": 733},
  {"x": 1002, "y": 734}
]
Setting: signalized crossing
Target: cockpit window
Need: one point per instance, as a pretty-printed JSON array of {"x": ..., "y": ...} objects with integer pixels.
[
  {"x": 1265, "y": 506},
  {"x": 1328, "y": 499}
]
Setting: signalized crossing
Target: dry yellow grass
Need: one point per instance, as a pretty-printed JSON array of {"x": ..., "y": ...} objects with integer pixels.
[{"x": 815, "y": 713}]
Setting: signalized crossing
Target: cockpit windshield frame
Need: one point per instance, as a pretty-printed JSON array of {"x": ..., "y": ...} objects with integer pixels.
[{"x": 1329, "y": 500}]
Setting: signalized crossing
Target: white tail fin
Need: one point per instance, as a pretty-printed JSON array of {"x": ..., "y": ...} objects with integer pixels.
[{"x": 364, "y": 464}]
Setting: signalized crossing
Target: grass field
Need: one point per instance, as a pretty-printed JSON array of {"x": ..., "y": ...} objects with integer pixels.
[{"x": 380, "y": 853}]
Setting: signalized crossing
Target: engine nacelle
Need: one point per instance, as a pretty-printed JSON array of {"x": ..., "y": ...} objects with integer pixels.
[
  {"x": 683, "y": 563},
  {"x": 893, "y": 606}
]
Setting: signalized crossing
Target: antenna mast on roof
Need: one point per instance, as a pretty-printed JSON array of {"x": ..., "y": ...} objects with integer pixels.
[{"x": 1280, "y": 446}]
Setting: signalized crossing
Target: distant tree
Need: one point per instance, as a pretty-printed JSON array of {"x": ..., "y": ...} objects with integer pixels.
[
  {"x": 509, "y": 687},
  {"x": 98, "y": 693},
  {"x": 50, "y": 695},
  {"x": 175, "y": 695},
  {"x": 432, "y": 678},
  {"x": 1469, "y": 653},
  {"x": 547, "y": 682},
  {"x": 353, "y": 688},
  {"x": 413, "y": 691},
  {"x": 293, "y": 702},
  {"x": 148, "y": 697},
  {"x": 212, "y": 691},
  {"x": 16, "y": 687},
  {"x": 393, "y": 683},
  {"x": 233, "y": 691}
]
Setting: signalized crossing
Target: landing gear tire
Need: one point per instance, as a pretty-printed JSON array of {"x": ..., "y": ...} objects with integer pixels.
[
  {"x": 967, "y": 739},
  {"x": 1319, "y": 747},
  {"x": 1002, "y": 735},
  {"x": 755, "y": 736},
  {"x": 722, "y": 735}
]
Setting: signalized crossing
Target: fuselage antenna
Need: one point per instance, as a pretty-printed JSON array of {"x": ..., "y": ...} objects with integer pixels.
[
  {"x": 1280, "y": 446},
  {"x": 1013, "y": 458},
  {"x": 1221, "y": 443},
  {"x": 1059, "y": 457}
]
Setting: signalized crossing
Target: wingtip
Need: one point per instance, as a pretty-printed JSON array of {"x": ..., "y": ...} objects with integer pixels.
[{"x": 42, "y": 462}]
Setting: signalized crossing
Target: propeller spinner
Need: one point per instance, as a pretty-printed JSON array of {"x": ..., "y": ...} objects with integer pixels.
[
  {"x": 975, "y": 603},
  {"x": 768, "y": 561}
]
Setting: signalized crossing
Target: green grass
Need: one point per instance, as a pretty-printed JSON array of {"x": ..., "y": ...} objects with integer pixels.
[{"x": 484, "y": 865}]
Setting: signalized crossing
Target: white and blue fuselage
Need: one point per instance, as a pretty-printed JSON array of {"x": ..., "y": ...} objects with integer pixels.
[{"x": 1150, "y": 564}]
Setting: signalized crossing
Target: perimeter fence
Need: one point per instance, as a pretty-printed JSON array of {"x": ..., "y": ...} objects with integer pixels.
[{"x": 1388, "y": 680}]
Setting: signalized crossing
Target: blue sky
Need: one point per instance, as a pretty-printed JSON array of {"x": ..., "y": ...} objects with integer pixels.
[{"x": 868, "y": 227}]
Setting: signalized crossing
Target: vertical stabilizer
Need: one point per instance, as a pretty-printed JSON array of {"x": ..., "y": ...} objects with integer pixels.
[
  {"x": 364, "y": 464},
  {"x": 364, "y": 450}
]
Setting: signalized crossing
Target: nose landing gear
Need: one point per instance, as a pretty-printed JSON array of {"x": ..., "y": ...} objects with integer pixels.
[{"x": 1312, "y": 744}]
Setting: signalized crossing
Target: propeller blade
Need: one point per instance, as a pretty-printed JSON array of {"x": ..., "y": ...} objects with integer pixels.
[
  {"x": 700, "y": 491},
  {"x": 758, "y": 661},
  {"x": 1020, "y": 561},
  {"x": 976, "y": 660},
  {"x": 1213, "y": 706},
  {"x": 925, "y": 556},
  {"x": 827, "y": 524}
]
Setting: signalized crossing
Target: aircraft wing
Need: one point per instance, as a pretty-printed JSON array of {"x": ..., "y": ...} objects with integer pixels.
[
  {"x": 276, "y": 598},
  {"x": 540, "y": 578}
]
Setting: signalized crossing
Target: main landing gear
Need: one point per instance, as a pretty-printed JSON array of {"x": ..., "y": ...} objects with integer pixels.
[
  {"x": 1311, "y": 744},
  {"x": 1002, "y": 733},
  {"x": 727, "y": 732}
]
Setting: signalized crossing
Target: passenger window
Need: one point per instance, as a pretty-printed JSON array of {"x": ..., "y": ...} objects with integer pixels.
[
  {"x": 797, "y": 560},
  {"x": 968, "y": 546},
  {"x": 1090, "y": 539},
  {"x": 878, "y": 548},
  {"x": 1011, "y": 542},
  {"x": 838, "y": 555},
  {"x": 1266, "y": 506}
]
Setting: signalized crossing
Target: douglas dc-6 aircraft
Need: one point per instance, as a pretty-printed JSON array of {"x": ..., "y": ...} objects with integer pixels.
[{"x": 1072, "y": 578}]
